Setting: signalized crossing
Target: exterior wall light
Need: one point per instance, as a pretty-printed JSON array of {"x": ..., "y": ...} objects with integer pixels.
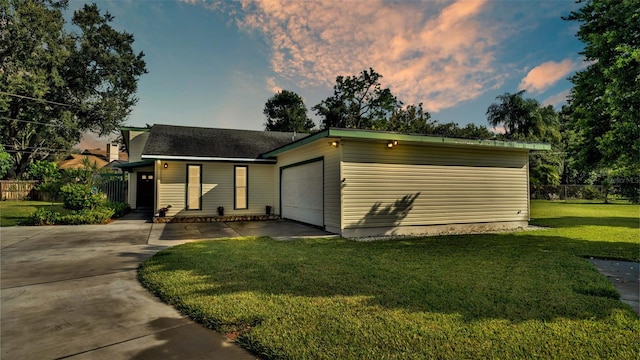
[
  {"x": 166, "y": 165},
  {"x": 334, "y": 143},
  {"x": 392, "y": 143}
]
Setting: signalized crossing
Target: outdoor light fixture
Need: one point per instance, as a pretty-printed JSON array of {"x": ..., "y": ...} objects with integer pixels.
[
  {"x": 166, "y": 165},
  {"x": 392, "y": 143},
  {"x": 334, "y": 143}
]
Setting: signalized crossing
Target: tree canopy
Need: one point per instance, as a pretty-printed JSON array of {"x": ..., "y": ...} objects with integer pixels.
[
  {"x": 524, "y": 119},
  {"x": 285, "y": 111},
  {"x": 56, "y": 83},
  {"x": 357, "y": 102},
  {"x": 605, "y": 100}
]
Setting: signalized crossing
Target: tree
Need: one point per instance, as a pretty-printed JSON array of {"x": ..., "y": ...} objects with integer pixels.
[
  {"x": 605, "y": 100},
  {"x": 55, "y": 84},
  {"x": 409, "y": 120},
  {"x": 357, "y": 102},
  {"x": 285, "y": 111},
  {"x": 5, "y": 162},
  {"x": 523, "y": 118},
  {"x": 527, "y": 120}
]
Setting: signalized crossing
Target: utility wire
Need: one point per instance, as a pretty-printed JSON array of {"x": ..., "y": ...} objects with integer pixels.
[
  {"x": 35, "y": 99},
  {"x": 30, "y": 121}
]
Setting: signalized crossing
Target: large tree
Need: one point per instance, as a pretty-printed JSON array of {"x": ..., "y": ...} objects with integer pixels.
[
  {"x": 605, "y": 100},
  {"x": 57, "y": 83},
  {"x": 527, "y": 120},
  {"x": 523, "y": 118},
  {"x": 285, "y": 111},
  {"x": 357, "y": 102}
]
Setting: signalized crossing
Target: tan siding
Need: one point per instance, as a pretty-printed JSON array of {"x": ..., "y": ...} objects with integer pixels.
[
  {"x": 320, "y": 148},
  {"x": 448, "y": 186},
  {"x": 217, "y": 189},
  {"x": 137, "y": 140},
  {"x": 377, "y": 152}
]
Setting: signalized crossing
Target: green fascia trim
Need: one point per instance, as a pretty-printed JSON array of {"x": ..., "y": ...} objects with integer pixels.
[
  {"x": 295, "y": 144},
  {"x": 132, "y": 128},
  {"x": 136, "y": 164},
  {"x": 385, "y": 136}
]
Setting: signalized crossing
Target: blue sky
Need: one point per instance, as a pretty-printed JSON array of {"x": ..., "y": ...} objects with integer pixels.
[{"x": 215, "y": 63}]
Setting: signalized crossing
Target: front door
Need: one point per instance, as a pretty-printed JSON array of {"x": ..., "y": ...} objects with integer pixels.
[{"x": 145, "y": 190}]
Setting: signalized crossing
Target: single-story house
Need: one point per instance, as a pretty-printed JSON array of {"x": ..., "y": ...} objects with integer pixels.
[
  {"x": 100, "y": 158},
  {"x": 351, "y": 182}
]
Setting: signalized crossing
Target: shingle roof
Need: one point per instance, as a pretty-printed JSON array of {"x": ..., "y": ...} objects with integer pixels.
[
  {"x": 76, "y": 161},
  {"x": 171, "y": 140}
]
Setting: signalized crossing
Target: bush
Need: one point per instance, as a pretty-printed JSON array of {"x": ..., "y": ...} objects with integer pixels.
[
  {"x": 591, "y": 193},
  {"x": 99, "y": 215},
  {"x": 81, "y": 197},
  {"x": 629, "y": 191},
  {"x": 119, "y": 208},
  {"x": 44, "y": 216}
]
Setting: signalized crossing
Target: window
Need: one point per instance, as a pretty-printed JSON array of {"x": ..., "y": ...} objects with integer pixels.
[
  {"x": 240, "y": 184},
  {"x": 194, "y": 187}
]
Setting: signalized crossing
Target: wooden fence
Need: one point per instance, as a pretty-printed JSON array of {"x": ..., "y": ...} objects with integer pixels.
[{"x": 15, "y": 190}]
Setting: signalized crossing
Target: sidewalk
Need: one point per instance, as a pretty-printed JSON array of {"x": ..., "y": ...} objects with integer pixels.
[{"x": 625, "y": 277}]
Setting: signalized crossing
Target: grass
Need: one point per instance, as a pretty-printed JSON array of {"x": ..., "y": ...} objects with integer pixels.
[
  {"x": 518, "y": 295},
  {"x": 14, "y": 213}
]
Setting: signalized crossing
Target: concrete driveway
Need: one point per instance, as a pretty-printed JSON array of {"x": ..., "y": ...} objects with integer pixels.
[{"x": 72, "y": 292}]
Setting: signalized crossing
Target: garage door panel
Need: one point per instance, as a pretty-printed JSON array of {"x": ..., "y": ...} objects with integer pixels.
[{"x": 302, "y": 193}]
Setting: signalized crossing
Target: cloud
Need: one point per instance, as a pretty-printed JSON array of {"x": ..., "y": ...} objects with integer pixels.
[
  {"x": 272, "y": 85},
  {"x": 557, "y": 99},
  {"x": 545, "y": 75},
  {"x": 436, "y": 52}
]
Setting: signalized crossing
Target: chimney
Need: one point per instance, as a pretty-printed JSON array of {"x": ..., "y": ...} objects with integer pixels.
[{"x": 112, "y": 152}]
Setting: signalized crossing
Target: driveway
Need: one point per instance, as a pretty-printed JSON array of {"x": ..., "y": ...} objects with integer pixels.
[{"x": 72, "y": 292}]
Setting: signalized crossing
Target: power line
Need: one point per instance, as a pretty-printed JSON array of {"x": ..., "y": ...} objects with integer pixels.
[
  {"x": 17, "y": 148},
  {"x": 30, "y": 121},
  {"x": 35, "y": 99}
]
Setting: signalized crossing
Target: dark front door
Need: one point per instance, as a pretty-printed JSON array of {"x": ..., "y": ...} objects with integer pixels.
[{"x": 144, "y": 192}]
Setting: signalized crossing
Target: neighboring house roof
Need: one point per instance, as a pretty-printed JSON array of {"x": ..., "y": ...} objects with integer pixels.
[
  {"x": 184, "y": 142},
  {"x": 76, "y": 161},
  {"x": 122, "y": 156},
  {"x": 393, "y": 136}
]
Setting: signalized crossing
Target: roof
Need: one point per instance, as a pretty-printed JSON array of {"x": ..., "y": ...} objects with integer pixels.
[
  {"x": 76, "y": 161},
  {"x": 122, "y": 156},
  {"x": 185, "y": 142},
  {"x": 132, "y": 165},
  {"x": 389, "y": 136}
]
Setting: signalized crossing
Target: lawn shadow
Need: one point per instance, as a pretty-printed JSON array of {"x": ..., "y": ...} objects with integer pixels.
[
  {"x": 498, "y": 276},
  {"x": 575, "y": 221}
]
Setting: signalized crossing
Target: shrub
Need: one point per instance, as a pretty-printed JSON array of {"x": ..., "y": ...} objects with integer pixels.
[
  {"x": 591, "y": 193},
  {"x": 98, "y": 215},
  {"x": 80, "y": 197},
  {"x": 119, "y": 208},
  {"x": 44, "y": 216}
]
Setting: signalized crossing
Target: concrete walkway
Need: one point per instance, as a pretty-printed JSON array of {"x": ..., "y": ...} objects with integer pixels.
[
  {"x": 72, "y": 291},
  {"x": 625, "y": 277}
]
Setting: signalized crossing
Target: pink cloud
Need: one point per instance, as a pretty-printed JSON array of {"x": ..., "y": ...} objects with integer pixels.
[
  {"x": 436, "y": 52},
  {"x": 545, "y": 75}
]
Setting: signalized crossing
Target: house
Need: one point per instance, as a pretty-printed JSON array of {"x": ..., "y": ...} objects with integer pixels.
[
  {"x": 98, "y": 157},
  {"x": 350, "y": 182}
]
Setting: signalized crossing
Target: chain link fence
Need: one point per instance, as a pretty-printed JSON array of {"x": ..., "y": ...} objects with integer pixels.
[{"x": 583, "y": 192}]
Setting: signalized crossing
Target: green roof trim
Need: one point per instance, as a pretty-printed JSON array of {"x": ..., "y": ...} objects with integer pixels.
[
  {"x": 386, "y": 135},
  {"x": 133, "y": 128},
  {"x": 135, "y": 164}
]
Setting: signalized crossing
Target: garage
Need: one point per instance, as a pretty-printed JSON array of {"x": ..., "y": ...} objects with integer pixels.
[{"x": 302, "y": 187}]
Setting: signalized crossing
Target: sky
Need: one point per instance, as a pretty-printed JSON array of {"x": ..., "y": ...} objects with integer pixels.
[{"x": 215, "y": 63}]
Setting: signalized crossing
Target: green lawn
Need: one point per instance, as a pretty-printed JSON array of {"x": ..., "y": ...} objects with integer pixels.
[
  {"x": 521, "y": 295},
  {"x": 14, "y": 213}
]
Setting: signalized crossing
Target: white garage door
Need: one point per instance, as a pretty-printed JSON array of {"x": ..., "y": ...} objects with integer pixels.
[{"x": 301, "y": 193}]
